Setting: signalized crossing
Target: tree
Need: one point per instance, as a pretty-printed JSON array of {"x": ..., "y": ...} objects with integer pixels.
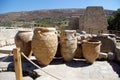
[{"x": 114, "y": 21}]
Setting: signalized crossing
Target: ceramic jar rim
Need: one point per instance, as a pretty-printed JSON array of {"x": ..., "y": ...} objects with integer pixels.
[
  {"x": 47, "y": 28},
  {"x": 25, "y": 31},
  {"x": 92, "y": 41},
  {"x": 70, "y": 31}
]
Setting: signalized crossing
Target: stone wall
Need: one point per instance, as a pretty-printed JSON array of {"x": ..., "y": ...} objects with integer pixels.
[
  {"x": 94, "y": 21},
  {"x": 81, "y": 23},
  {"x": 7, "y": 36},
  {"x": 7, "y": 33},
  {"x": 74, "y": 23}
]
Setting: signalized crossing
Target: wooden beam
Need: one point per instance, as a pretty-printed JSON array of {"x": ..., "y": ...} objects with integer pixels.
[{"x": 17, "y": 64}]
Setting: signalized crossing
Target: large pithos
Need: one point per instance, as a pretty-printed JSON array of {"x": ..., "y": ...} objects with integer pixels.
[
  {"x": 44, "y": 44},
  {"x": 91, "y": 50},
  {"x": 23, "y": 41},
  {"x": 68, "y": 42}
]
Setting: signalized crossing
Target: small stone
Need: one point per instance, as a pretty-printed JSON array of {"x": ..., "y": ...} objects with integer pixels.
[
  {"x": 103, "y": 55},
  {"x": 83, "y": 32},
  {"x": 9, "y": 42},
  {"x": 78, "y": 38},
  {"x": 111, "y": 56}
]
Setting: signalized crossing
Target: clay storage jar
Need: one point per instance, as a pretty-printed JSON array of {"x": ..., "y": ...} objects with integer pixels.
[
  {"x": 68, "y": 42},
  {"x": 91, "y": 49},
  {"x": 44, "y": 44},
  {"x": 23, "y": 40}
]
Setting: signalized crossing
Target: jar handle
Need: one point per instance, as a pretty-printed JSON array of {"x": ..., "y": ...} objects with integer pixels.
[
  {"x": 56, "y": 32},
  {"x": 75, "y": 34},
  {"x": 40, "y": 33}
]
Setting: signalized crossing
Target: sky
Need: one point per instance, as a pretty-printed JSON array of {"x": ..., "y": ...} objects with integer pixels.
[{"x": 29, "y": 5}]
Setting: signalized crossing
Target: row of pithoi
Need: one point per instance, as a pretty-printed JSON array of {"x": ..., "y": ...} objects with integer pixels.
[{"x": 44, "y": 44}]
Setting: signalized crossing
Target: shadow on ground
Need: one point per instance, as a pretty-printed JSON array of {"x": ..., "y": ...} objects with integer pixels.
[
  {"x": 27, "y": 69},
  {"x": 77, "y": 63},
  {"x": 26, "y": 65},
  {"x": 115, "y": 67},
  {"x": 74, "y": 63},
  {"x": 6, "y": 59}
]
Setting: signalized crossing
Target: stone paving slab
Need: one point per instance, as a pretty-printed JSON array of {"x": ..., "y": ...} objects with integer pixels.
[
  {"x": 7, "y": 76},
  {"x": 7, "y": 49},
  {"x": 77, "y": 69},
  {"x": 96, "y": 71},
  {"x": 11, "y": 76}
]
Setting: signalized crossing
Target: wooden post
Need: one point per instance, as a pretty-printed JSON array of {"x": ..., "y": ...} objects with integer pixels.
[{"x": 17, "y": 63}]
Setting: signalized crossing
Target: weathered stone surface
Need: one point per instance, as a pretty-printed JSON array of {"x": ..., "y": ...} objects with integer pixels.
[
  {"x": 94, "y": 21},
  {"x": 111, "y": 56},
  {"x": 11, "y": 76},
  {"x": 85, "y": 37},
  {"x": 108, "y": 44},
  {"x": 75, "y": 70},
  {"x": 9, "y": 42},
  {"x": 117, "y": 51},
  {"x": 2, "y": 37},
  {"x": 2, "y": 43},
  {"x": 27, "y": 78},
  {"x": 7, "y": 35},
  {"x": 81, "y": 23},
  {"x": 45, "y": 78},
  {"x": 102, "y": 55},
  {"x": 83, "y": 32},
  {"x": 78, "y": 37},
  {"x": 74, "y": 23}
]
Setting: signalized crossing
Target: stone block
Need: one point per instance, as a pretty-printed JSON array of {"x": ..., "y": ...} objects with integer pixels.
[
  {"x": 108, "y": 44},
  {"x": 117, "y": 51},
  {"x": 111, "y": 56},
  {"x": 2, "y": 43},
  {"x": 10, "y": 42},
  {"x": 94, "y": 20},
  {"x": 81, "y": 23},
  {"x": 103, "y": 55}
]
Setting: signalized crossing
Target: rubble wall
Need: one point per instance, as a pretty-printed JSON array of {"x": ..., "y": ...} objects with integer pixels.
[{"x": 94, "y": 20}]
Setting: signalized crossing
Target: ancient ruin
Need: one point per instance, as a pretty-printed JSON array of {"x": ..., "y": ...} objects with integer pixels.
[
  {"x": 94, "y": 21},
  {"x": 62, "y": 54}
]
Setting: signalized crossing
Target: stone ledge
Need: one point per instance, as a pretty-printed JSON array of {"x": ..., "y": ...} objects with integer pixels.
[{"x": 117, "y": 51}]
